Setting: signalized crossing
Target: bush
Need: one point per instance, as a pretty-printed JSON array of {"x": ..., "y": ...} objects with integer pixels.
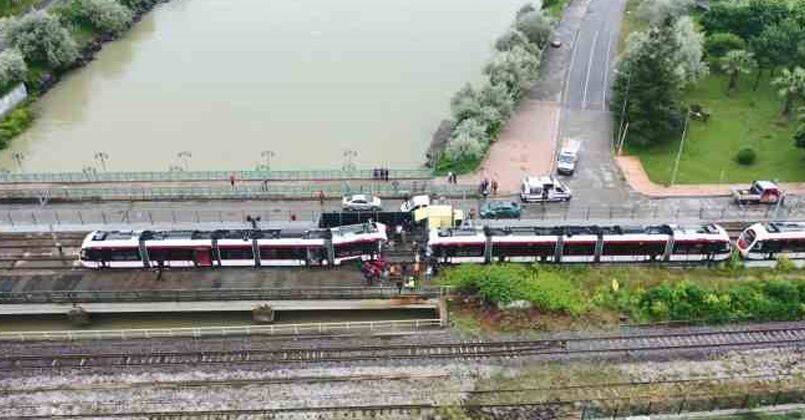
[
  {"x": 717, "y": 45},
  {"x": 799, "y": 136},
  {"x": 138, "y": 6},
  {"x": 41, "y": 39},
  {"x": 15, "y": 123},
  {"x": 656, "y": 12},
  {"x": 746, "y": 156},
  {"x": 12, "y": 68},
  {"x": 104, "y": 16},
  {"x": 784, "y": 264},
  {"x": 536, "y": 26}
]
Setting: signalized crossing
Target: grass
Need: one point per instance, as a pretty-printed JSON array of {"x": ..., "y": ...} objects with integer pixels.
[
  {"x": 744, "y": 118},
  {"x": 16, "y": 7},
  {"x": 631, "y": 23},
  {"x": 555, "y": 8}
]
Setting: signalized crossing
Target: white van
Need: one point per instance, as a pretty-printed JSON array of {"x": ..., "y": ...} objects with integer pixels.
[
  {"x": 543, "y": 189},
  {"x": 568, "y": 157},
  {"x": 415, "y": 203}
]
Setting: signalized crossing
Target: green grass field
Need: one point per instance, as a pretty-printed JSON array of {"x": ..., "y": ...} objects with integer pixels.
[
  {"x": 745, "y": 118},
  {"x": 15, "y": 7}
]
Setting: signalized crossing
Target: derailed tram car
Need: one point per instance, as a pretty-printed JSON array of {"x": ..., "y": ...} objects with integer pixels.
[
  {"x": 768, "y": 241},
  {"x": 580, "y": 244},
  {"x": 232, "y": 248}
]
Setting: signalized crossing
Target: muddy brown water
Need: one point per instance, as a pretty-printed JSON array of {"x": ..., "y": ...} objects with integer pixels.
[{"x": 228, "y": 80}]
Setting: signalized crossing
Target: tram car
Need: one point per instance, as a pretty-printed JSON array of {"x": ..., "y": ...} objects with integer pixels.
[
  {"x": 768, "y": 241},
  {"x": 233, "y": 248},
  {"x": 580, "y": 244}
]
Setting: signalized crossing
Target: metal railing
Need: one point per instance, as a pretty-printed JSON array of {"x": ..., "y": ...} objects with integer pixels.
[
  {"x": 389, "y": 189},
  {"x": 192, "y": 295},
  {"x": 224, "y": 176},
  {"x": 370, "y": 327}
]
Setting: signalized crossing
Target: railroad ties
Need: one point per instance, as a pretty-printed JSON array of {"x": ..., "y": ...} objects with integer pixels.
[{"x": 570, "y": 347}]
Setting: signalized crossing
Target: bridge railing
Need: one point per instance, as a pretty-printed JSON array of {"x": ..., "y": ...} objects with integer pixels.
[
  {"x": 224, "y": 176},
  {"x": 405, "y": 325},
  {"x": 262, "y": 191},
  {"x": 190, "y": 295}
]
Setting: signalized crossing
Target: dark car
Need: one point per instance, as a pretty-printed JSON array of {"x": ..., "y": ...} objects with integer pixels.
[{"x": 500, "y": 210}]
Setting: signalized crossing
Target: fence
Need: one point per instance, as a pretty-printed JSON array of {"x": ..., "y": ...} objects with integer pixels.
[
  {"x": 179, "y": 295},
  {"x": 411, "y": 325},
  {"x": 224, "y": 176},
  {"x": 240, "y": 192}
]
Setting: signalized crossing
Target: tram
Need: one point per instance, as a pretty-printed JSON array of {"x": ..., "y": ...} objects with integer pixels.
[
  {"x": 233, "y": 248},
  {"x": 768, "y": 241},
  {"x": 580, "y": 244}
]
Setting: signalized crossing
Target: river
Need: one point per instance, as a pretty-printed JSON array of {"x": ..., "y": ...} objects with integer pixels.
[{"x": 289, "y": 83}]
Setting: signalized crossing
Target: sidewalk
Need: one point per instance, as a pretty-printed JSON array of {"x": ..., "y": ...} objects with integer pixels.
[{"x": 638, "y": 180}]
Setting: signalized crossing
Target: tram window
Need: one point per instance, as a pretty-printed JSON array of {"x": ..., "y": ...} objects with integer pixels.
[
  {"x": 237, "y": 254},
  {"x": 692, "y": 248},
  {"x": 170, "y": 254},
  {"x": 584, "y": 248},
  {"x": 633, "y": 248},
  {"x": 124, "y": 254},
  {"x": 465, "y": 251},
  {"x": 505, "y": 250},
  {"x": 354, "y": 249},
  {"x": 792, "y": 245},
  {"x": 768, "y": 246},
  {"x": 284, "y": 253},
  {"x": 92, "y": 254}
]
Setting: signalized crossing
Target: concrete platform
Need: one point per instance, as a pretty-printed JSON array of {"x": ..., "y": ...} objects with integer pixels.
[{"x": 229, "y": 306}]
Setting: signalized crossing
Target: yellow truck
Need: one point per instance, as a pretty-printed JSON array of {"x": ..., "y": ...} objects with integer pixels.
[{"x": 439, "y": 216}]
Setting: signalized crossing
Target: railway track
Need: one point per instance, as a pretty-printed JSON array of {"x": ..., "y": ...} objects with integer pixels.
[
  {"x": 579, "y": 347},
  {"x": 40, "y": 250}
]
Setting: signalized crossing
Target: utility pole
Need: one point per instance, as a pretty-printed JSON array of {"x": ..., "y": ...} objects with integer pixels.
[
  {"x": 621, "y": 135},
  {"x": 681, "y": 146}
]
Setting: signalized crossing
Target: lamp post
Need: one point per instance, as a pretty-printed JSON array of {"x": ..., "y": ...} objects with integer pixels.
[
  {"x": 681, "y": 146},
  {"x": 185, "y": 156},
  {"x": 18, "y": 157},
  {"x": 349, "y": 163},
  {"x": 102, "y": 157}
]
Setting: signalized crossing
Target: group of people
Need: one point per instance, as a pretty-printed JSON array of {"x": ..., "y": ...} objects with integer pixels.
[
  {"x": 488, "y": 186},
  {"x": 380, "y": 173},
  {"x": 401, "y": 274},
  {"x": 452, "y": 178}
]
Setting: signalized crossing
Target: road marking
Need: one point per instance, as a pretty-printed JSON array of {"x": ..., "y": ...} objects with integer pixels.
[
  {"x": 570, "y": 68},
  {"x": 589, "y": 65},
  {"x": 606, "y": 73}
]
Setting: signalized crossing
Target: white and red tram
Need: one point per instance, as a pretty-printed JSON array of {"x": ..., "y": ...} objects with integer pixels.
[
  {"x": 580, "y": 244},
  {"x": 232, "y": 248},
  {"x": 765, "y": 242}
]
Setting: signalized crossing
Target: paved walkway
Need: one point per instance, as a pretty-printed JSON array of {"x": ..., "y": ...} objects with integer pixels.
[{"x": 638, "y": 179}]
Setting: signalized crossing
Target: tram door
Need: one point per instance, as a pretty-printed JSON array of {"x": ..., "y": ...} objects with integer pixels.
[{"x": 202, "y": 257}]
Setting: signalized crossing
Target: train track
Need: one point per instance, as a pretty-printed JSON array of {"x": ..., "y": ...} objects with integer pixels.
[
  {"x": 589, "y": 346},
  {"x": 41, "y": 251}
]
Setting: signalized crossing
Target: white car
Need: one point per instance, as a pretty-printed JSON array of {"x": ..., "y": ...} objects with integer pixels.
[
  {"x": 361, "y": 202},
  {"x": 543, "y": 189},
  {"x": 415, "y": 203}
]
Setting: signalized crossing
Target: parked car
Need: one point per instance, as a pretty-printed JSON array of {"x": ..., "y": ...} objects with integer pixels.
[
  {"x": 361, "y": 202},
  {"x": 543, "y": 189},
  {"x": 760, "y": 192},
  {"x": 556, "y": 43},
  {"x": 500, "y": 210},
  {"x": 568, "y": 157},
  {"x": 415, "y": 203}
]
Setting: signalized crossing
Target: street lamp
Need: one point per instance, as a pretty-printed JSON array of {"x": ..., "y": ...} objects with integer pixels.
[
  {"x": 185, "y": 156},
  {"x": 18, "y": 157},
  {"x": 102, "y": 157},
  {"x": 681, "y": 146},
  {"x": 349, "y": 156}
]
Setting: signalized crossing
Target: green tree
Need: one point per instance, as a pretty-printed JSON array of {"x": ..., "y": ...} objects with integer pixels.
[
  {"x": 718, "y": 44},
  {"x": 498, "y": 97},
  {"x": 514, "y": 38},
  {"x": 745, "y": 18},
  {"x": 799, "y": 136},
  {"x": 791, "y": 85},
  {"x": 138, "y": 6},
  {"x": 465, "y": 104},
  {"x": 41, "y": 39},
  {"x": 536, "y": 26},
  {"x": 467, "y": 142},
  {"x": 104, "y": 16},
  {"x": 655, "y": 12},
  {"x": 736, "y": 62},
  {"x": 12, "y": 67},
  {"x": 516, "y": 69},
  {"x": 690, "y": 66},
  {"x": 648, "y": 87}
]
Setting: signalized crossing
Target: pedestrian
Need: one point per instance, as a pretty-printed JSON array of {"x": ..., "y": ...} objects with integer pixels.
[
  {"x": 375, "y": 173},
  {"x": 386, "y": 174},
  {"x": 450, "y": 177},
  {"x": 232, "y": 180},
  {"x": 494, "y": 187},
  {"x": 399, "y": 286},
  {"x": 321, "y": 197},
  {"x": 265, "y": 185},
  {"x": 293, "y": 217},
  {"x": 455, "y": 179}
]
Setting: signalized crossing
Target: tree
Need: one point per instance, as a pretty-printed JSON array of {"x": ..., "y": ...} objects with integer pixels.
[
  {"x": 791, "y": 85},
  {"x": 498, "y": 97},
  {"x": 734, "y": 63},
  {"x": 655, "y": 12},
  {"x": 516, "y": 69},
  {"x": 41, "y": 39},
  {"x": 528, "y": 8},
  {"x": 647, "y": 86},
  {"x": 690, "y": 66},
  {"x": 12, "y": 67},
  {"x": 104, "y": 16},
  {"x": 745, "y": 18},
  {"x": 138, "y": 6},
  {"x": 467, "y": 142},
  {"x": 536, "y": 26},
  {"x": 465, "y": 104},
  {"x": 799, "y": 136},
  {"x": 718, "y": 44},
  {"x": 514, "y": 38}
]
